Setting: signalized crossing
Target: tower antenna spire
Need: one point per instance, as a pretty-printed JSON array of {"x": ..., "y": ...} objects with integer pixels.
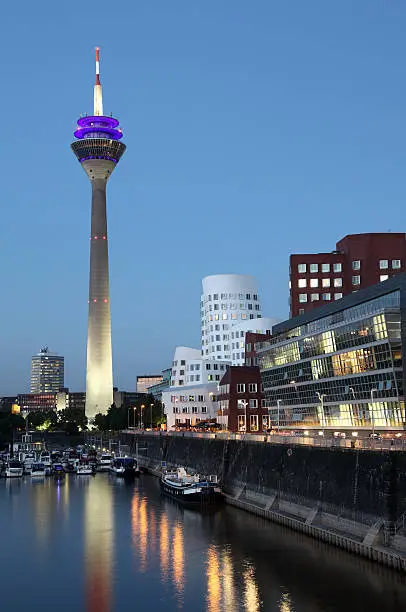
[{"x": 98, "y": 95}]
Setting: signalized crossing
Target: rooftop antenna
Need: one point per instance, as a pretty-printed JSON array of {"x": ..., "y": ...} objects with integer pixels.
[{"x": 98, "y": 97}]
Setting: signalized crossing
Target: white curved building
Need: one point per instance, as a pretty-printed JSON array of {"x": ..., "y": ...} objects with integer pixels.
[
  {"x": 227, "y": 300},
  {"x": 237, "y": 335}
]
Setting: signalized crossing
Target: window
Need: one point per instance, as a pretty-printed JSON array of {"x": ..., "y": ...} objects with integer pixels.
[
  {"x": 338, "y": 282},
  {"x": 241, "y": 388},
  {"x": 383, "y": 264},
  {"x": 185, "y": 409},
  {"x": 183, "y": 362},
  {"x": 314, "y": 282},
  {"x": 326, "y": 296},
  {"x": 396, "y": 264},
  {"x": 337, "y": 267},
  {"x": 302, "y": 282},
  {"x": 356, "y": 280},
  {"x": 383, "y": 277},
  {"x": 252, "y": 387},
  {"x": 210, "y": 377},
  {"x": 314, "y": 297},
  {"x": 204, "y": 409},
  {"x": 248, "y": 296},
  {"x": 325, "y": 267},
  {"x": 325, "y": 282},
  {"x": 301, "y": 268},
  {"x": 302, "y": 297},
  {"x": 181, "y": 372},
  {"x": 356, "y": 265},
  {"x": 301, "y": 311},
  {"x": 338, "y": 296},
  {"x": 194, "y": 409},
  {"x": 217, "y": 376},
  {"x": 225, "y": 316},
  {"x": 314, "y": 268},
  {"x": 254, "y": 422},
  {"x": 200, "y": 398},
  {"x": 253, "y": 403},
  {"x": 197, "y": 376},
  {"x": 208, "y": 366},
  {"x": 215, "y": 366}
]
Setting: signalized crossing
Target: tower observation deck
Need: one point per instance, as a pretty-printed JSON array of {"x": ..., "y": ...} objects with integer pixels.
[{"x": 98, "y": 148}]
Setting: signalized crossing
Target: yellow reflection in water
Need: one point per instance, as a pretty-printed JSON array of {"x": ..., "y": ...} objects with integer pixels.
[
  {"x": 251, "y": 595},
  {"x": 178, "y": 558},
  {"x": 164, "y": 546},
  {"x": 134, "y": 519},
  {"x": 285, "y": 603},
  {"x": 213, "y": 580},
  {"x": 143, "y": 529},
  {"x": 228, "y": 581},
  {"x": 98, "y": 545}
]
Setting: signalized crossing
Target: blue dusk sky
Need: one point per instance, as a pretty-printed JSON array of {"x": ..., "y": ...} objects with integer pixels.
[{"x": 254, "y": 130}]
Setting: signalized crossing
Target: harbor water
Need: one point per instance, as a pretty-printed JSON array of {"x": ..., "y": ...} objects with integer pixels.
[{"x": 99, "y": 544}]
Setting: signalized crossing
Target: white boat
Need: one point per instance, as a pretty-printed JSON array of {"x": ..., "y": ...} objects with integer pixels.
[
  {"x": 45, "y": 458},
  {"x": 105, "y": 462},
  {"x": 38, "y": 470},
  {"x": 84, "y": 470},
  {"x": 28, "y": 461},
  {"x": 14, "y": 469}
]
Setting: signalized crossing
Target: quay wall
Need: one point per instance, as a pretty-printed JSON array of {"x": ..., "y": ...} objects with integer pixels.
[{"x": 338, "y": 493}]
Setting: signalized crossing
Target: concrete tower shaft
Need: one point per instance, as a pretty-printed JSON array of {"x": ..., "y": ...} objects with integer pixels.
[{"x": 98, "y": 150}]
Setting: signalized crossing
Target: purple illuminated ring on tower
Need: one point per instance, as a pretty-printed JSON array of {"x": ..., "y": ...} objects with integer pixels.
[
  {"x": 98, "y": 121},
  {"x": 110, "y": 133}
]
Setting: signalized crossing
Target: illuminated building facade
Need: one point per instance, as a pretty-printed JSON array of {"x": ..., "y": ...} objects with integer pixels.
[
  {"x": 240, "y": 401},
  {"x": 98, "y": 149},
  {"x": 340, "y": 366},
  {"x": 47, "y": 372},
  {"x": 143, "y": 382}
]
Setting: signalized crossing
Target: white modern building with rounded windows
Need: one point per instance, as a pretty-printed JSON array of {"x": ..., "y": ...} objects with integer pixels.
[{"x": 227, "y": 301}]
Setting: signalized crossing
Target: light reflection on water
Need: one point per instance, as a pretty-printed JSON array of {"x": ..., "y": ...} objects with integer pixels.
[{"x": 103, "y": 546}]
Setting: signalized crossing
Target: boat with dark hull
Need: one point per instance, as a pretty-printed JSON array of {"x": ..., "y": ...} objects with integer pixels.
[{"x": 193, "y": 490}]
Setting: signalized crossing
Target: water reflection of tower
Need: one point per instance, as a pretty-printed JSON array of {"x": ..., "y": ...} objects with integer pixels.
[
  {"x": 51, "y": 508},
  {"x": 98, "y": 545}
]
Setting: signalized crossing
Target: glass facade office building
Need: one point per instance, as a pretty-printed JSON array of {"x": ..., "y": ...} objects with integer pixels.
[{"x": 340, "y": 366}]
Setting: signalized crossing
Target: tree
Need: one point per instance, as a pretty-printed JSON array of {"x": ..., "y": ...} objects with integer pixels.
[
  {"x": 72, "y": 420},
  {"x": 36, "y": 419},
  {"x": 101, "y": 421}
]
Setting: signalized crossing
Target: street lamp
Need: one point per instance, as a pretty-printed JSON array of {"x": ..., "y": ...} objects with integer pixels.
[
  {"x": 278, "y": 403},
  {"x": 372, "y": 411},
  {"x": 321, "y": 397},
  {"x": 245, "y": 404},
  {"x": 135, "y": 408},
  {"x": 151, "y": 406},
  {"x": 128, "y": 417},
  {"x": 142, "y": 424}
]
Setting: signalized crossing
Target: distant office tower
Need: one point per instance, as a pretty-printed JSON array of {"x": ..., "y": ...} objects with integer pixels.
[
  {"x": 358, "y": 261},
  {"x": 227, "y": 300},
  {"x": 143, "y": 382},
  {"x": 47, "y": 372},
  {"x": 98, "y": 150}
]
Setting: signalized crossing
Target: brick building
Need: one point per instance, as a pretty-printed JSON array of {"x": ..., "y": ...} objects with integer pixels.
[
  {"x": 240, "y": 399},
  {"x": 358, "y": 261}
]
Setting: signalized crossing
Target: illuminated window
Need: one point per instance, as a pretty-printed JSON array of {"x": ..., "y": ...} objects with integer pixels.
[
  {"x": 314, "y": 268},
  {"x": 325, "y": 267},
  {"x": 396, "y": 264},
  {"x": 314, "y": 297},
  {"x": 356, "y": 280},
  {"x": 356, "y": 265},
  {"x": 301, "y": 268},
  {"x": 337, "y": 267},
  {"x": 314, "y": 282},
  {"x": 326, "y": 296},
  {"x": 253, "y": 403},
  {"x": 383, "y": 264},
  {"x": 302, "y": 282},
  {"x": 383, "y": 277},
  {"x": 338, "y": 296},
  {"x": 325, "y": 282},
  {"x": 338, "y": 282},
  {"x": 302, "y": 297}
]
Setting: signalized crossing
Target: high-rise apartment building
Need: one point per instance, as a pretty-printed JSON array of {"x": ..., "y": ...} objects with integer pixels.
[
  {"x": 47, "y": 372},
  {"x": 358, "y": 261}
]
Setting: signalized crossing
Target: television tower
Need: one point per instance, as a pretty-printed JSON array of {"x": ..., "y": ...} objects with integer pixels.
[{"x": 98, "y": 149}]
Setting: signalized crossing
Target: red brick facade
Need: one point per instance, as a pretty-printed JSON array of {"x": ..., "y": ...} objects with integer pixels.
[
  {"x": 360, "y": 260},
  {"x": 242, "y": 384}
]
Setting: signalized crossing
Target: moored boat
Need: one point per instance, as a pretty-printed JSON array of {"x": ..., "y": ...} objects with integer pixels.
[
  {"x": 104, "y": 463},
  {"x": 38, "y": 470},
  {"x": 123, "y": 466},
  {"x": 14, "y": 469},
  {"x": 191, "y": 489},
  {"x": 84, "y": 469}
]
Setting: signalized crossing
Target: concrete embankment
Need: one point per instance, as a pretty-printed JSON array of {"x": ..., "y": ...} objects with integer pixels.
[{"x": 354, "y": 499}]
